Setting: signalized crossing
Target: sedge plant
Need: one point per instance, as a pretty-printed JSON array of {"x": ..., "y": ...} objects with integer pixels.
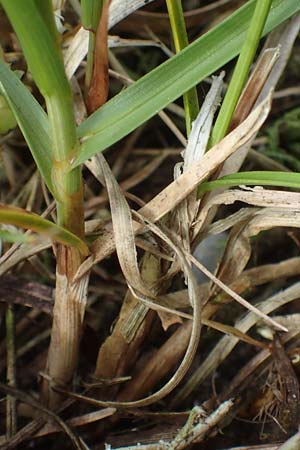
[{"x": 60, "y": 148}]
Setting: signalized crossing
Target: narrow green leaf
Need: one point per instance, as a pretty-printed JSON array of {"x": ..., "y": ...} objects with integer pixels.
[
  {"x": 11, "y": 215},
  {"x": 31, "y": 119},
  {"x": 154, "y": 91},
  {"x": 241, "y": 70},
  {"x": 180, "y": 38},
  {"x": 37, "y": 44},
  {"x": 260, "y": 178},
  {"x": 34, "y": 28}
]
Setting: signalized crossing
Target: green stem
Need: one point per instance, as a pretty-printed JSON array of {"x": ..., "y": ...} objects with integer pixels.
[
  {"x": 180, "y": 37},
  {"x": 35, "y": 28},
  {"x": 241, "y": 70},
  {"x": 33, "y": 24}
]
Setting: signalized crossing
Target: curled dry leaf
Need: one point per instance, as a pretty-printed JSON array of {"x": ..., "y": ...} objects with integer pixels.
[
  {"x": 182, "y": 217},
  {"x": 174, "y": 193},
  {"x": 184, "y": 214},
  {"x": 126, "y": 250}
]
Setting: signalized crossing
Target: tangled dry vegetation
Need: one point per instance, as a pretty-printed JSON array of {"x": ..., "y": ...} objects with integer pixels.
[{"x": 168, "y": 359}]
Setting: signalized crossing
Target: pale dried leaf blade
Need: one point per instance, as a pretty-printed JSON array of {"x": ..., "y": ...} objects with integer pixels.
[
  {"x": 123, "y": 229},
  {"x": 174, "y": 193},
  {"x": 183, "y": 216},
  {"x": 201, "y": 127}
]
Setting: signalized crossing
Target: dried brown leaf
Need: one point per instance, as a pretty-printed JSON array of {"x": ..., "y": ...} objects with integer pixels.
[{"x": 174, "y": 193}]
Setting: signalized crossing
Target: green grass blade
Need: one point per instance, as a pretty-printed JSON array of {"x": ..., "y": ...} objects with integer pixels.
[
  {"x": 11, "y": 215},
  {"x": 31, "y": 119},
  {"x": 37, "y": 44},
  {"x": 154, "y": 91},
  {"x": 260, "y": 178},
  {"x": 241, "y": 70},
  {"x": 36, "y": 35},
  {"x": 180, "y": 38}
]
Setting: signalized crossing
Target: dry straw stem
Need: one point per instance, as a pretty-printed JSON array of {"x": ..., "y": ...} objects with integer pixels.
[
  {"x": 125, "y": 345},
  {"x": 174, "y": 193}
]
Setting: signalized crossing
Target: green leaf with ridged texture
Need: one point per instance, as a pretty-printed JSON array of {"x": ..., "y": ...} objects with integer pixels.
[
  {"x": 259, "y": 178},
  {"x": 31, "y": 119},
  {"x": 11, "y": 215},
  {"x": 132, "y": 107}
]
